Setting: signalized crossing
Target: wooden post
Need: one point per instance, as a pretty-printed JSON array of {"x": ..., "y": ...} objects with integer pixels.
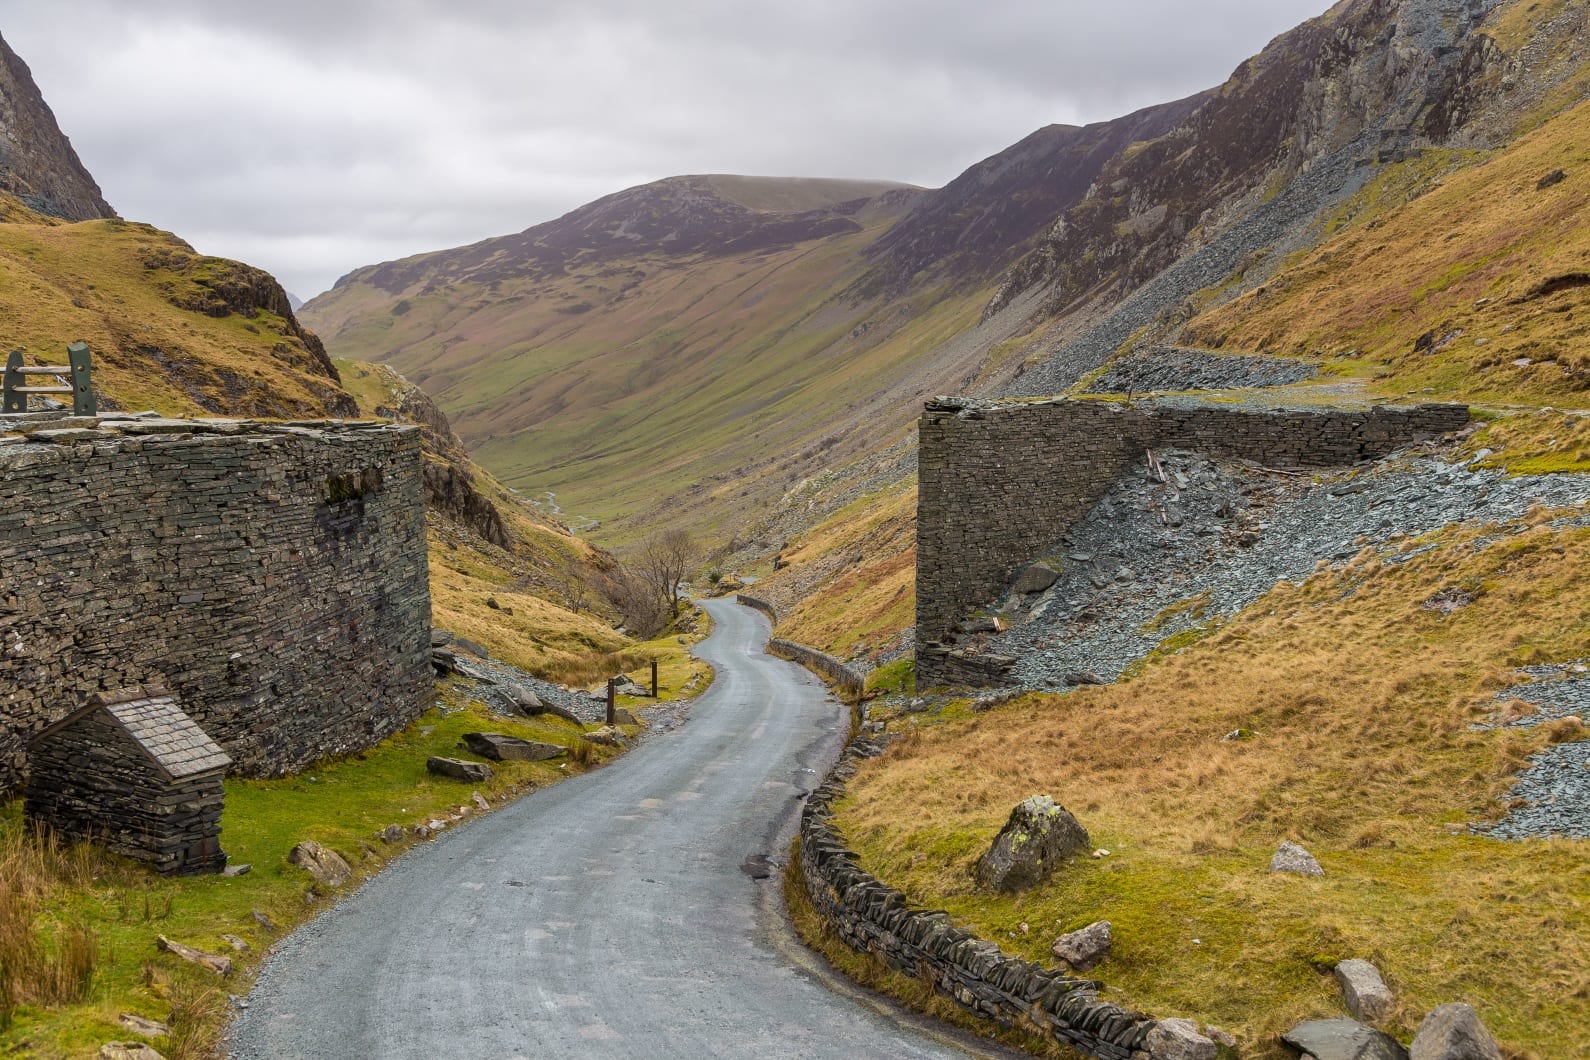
[
  {"x": 83, "y": 403},
  {"x": 612, "y": 686},
  {"x": 654, "y": 679},
  {"x": 14, "y": 402}
]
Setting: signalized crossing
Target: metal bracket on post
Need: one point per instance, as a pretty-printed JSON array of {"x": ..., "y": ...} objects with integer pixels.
[
  {"x": 14, "y": 401},
  {"x": 83, "y": 403}
]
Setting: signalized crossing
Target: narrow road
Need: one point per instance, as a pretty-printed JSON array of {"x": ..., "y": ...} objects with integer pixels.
[{"x": 605, "y": 916}]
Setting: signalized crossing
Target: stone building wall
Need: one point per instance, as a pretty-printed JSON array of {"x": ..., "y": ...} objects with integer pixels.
[
  {"x": 272, "y": 576},
  {"x": 1001, "y": 483}
]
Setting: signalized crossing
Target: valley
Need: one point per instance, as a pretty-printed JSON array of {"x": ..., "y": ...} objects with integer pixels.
[{"x": 1217, "y": 472}]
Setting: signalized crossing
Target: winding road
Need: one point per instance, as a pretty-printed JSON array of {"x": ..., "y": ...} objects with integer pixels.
[{"x": 605, "y": 916}]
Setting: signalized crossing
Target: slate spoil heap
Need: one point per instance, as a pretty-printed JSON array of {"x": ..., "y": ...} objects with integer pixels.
[{"x": 132, "y": 771}]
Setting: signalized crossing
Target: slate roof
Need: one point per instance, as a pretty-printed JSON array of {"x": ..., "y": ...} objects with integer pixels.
[{"x": 172, "y": 740}]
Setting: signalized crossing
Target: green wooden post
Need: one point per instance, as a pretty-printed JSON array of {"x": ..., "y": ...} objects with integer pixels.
[
  {"x": 83, "y": 403},
  {"x": 14, "y": 402}
]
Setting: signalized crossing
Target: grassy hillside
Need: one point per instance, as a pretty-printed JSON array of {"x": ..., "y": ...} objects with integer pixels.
[
  {"x": 169, "y": 329},
  {"x": 1359, "y": 702},
  {"x": 718, "y": 383},
  {"x": 1476, "y": 289}
]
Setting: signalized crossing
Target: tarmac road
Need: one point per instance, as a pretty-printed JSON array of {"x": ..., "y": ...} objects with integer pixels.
[{"x": 605, "y": 916}]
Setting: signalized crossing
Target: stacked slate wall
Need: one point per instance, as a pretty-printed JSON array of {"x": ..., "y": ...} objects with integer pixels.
[
  {"x": 89, "y": 781},
  {"x": 272, "y": 576},
  {"x": 875, "y": 918},
  {"x": 1001, "y": 483}
]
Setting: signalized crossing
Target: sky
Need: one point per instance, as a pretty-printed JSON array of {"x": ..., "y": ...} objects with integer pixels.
[{"x": 310, "y": 137}]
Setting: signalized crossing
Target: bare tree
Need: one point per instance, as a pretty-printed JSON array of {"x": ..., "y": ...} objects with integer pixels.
[
  {"x": 663, "y": 561},
  {"x": 572, "y": 582}
]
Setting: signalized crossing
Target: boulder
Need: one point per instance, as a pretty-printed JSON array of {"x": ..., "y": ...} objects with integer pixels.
[
  {"x": 1290, "y": 857},
  {"x": 1343, "y": 1039},
  {"x": 392, "y": 833},
  {"x": 1454, "y": 1032},
  {"x": 1083, "y": 677},
  {"x": 1364, "y": 992},
  {"x": 624, "y": 716},
  {"x": 475, "y": 772},
  {"x": 607, "y": 735},
  {"x": 1083, "y": 949},
  {"x": 500, "y": 748},
  {"x": 1035, "y": 579},
  {"x": 1038, "y": 837},
  {"x": 439, "y": 637},
  {"x": 146, "y": 1027},
  {"x": 626, "y": 687},
  {"x": 524, "y": 701},
  {"x": 1178, "y": 1039},
  {"x": 129, "y": 1051},
  {"x": 325, "y": 865}
]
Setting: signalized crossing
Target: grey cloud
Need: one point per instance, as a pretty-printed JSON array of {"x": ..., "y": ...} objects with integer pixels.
[{"x": 314, "y": 137}]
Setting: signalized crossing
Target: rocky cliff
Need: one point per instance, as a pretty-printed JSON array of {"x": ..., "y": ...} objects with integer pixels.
[{"x": 37, "y": 163}]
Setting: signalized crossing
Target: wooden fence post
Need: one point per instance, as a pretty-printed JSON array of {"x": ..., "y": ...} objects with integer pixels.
[
  {"x": 654, "y": 679},
  {"x": 612, "y": 691}
]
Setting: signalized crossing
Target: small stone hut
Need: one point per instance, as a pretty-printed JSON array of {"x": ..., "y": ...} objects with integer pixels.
[{"x": 130, "y": 770}]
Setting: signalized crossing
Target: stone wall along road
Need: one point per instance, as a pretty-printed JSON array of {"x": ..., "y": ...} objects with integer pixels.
[{"x": 611, "y": 915}]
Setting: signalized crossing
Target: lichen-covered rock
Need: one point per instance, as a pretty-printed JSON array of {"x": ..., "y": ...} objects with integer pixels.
[
  {"x": 1291, "y": 857},
  {"x": 1363, "y": 990},
  {"x": 1178, "y": 1039},
  {"x": 1038, "y": 837},
  {"x": 325, "y": 865},
  {"x": 1343, "y": 1039},
  {"x": 501, "y": 748},
  {"x": 1453, "y": 1032},
  {"x": 1083, "y": 949}
]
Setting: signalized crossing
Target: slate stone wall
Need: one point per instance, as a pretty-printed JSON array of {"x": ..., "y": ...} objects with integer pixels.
[
  {"x": 1001, "y": 483},
  {"x": 272, "y": 576},
  {"x": 875, "y": 918}
]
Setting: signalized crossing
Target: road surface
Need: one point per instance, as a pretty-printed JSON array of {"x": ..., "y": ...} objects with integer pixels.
[{"x": 604, "y": 916}]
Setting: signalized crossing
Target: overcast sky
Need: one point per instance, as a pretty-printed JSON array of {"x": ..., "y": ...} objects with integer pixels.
[{"x": 310, "y": 137}]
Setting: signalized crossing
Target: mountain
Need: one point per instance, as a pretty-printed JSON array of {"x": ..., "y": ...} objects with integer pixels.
[
  {"x": 735, "y": 347},
  {"x": 37, "y": 163}
]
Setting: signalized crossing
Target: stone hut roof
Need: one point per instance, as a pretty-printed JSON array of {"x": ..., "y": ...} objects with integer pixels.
[{"x": 171, "y": 740}]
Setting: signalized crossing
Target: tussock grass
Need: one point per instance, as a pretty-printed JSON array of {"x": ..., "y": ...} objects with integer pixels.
[
  {"x": 42, "y": 964},
  {"x": 1360, "y": 703}
]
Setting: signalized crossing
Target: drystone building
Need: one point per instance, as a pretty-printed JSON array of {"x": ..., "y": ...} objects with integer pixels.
[
  {"x": 1001, "y": 482},
  {"x": 130, "y": 770},
  {"x": 272, "y": 576}
]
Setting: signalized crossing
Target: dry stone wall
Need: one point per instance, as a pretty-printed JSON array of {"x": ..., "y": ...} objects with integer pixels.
[
  {"x": 272, "y": 576},
  {"x": 873, "y": 917},
  {"x": 847, "y": 679},
  {"x": 1000, "y": 483}
]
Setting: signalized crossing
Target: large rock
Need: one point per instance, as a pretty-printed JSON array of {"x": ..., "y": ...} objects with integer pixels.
[
  {"x": 1083, "y": 949},
  {"x": 501, "y": 748},
  {"x": 1343, "y": 1039},
  {"x": 1363, "y": 990},
  {"x": 607, "y": 735},
  {"x": 1178, "y": 1039},
  {"x": 129, "y": 1051},
  {"x": 1038, "y": 837},
  {"x": 1290, "y": 857},
  {"x": 1454, "y": 1032},
  {"x": 1035, "y": 579},
  {"x": 325, "y": 865},
  {"x": 524, "y": 701},
  {"x": 458, "y": 769}
]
